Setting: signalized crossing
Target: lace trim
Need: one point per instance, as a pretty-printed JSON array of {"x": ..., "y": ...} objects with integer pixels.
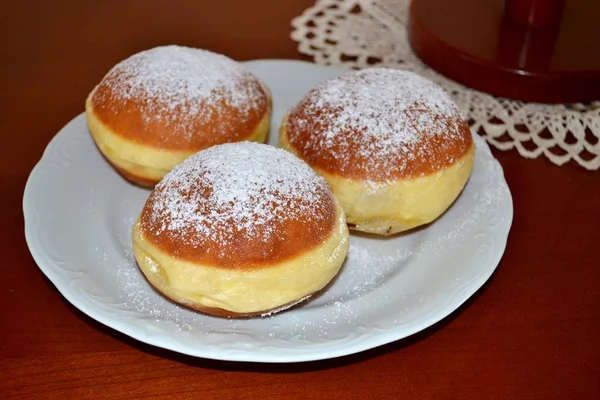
[{"x": 363, "y": 33}]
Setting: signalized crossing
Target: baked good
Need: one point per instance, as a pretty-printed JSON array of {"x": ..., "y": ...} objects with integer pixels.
[
  {"x": 391, "y": 144},
  {"x": 240, "y": 229},
  {"x": 158, "y": 107}
]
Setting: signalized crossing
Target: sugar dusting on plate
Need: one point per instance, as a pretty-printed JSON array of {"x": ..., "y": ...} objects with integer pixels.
[
  {"x": 359, "y": 290},
  {"x": 138, "y": 295}
]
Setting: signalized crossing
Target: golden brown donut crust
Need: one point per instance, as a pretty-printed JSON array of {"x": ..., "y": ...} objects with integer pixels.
[
  {"x": 146, "y": 119},
  {"x": 442, "y": 140},
  {"x": 301, "y": 224},
  {"x": 244, "y": 252}
]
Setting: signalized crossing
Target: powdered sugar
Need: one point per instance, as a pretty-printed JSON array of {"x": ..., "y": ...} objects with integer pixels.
[
  {"x": 366, "y": 119},
  {"x": 379, "y": 273},
  {"x": 363, "y": 286},
  {"x": 173, "y": 81},
  {"x": 139, "y": 296},
  {"x": 235, "y": 189}
]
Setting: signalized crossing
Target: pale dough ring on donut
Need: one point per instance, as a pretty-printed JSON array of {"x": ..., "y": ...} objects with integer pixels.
[{"x": 143, "y": 164}]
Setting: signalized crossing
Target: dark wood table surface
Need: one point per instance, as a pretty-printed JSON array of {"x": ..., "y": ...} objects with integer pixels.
[{"x": 532, "y": 332}]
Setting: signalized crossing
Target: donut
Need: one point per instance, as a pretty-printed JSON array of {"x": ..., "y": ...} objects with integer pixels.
[
  {"x": 158, "y": 107},
  {"x": 240, "y": 230},
  {"x": 391, "y": 144}
]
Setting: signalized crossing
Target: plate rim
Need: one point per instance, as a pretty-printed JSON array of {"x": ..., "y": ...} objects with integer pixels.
[{"x": 456, "y": 299}]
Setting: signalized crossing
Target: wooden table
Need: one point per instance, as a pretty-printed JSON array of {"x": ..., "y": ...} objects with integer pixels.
[{"x": 532, "y": 332}]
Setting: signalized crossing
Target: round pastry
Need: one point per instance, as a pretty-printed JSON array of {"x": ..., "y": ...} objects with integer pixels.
[
  {"x": 240, "y": 229},
  {"x": 391, "y": 144},
  {"x": 158, "y": 107}
]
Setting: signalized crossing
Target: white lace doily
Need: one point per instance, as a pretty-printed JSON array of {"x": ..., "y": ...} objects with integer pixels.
[{"x": 362, "y": 33}]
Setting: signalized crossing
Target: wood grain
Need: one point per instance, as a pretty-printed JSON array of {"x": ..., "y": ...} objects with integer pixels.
[{"x": 531, "y": 332}]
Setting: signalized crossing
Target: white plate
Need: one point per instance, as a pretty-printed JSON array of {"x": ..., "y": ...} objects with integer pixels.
[{"x": 78, "y": 214}]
